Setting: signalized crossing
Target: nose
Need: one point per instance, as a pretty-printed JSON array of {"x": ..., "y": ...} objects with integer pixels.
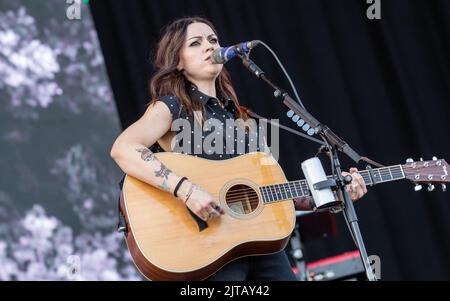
[{"x": 209, "y": 47}]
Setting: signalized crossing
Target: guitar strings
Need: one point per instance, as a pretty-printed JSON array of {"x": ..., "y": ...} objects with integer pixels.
[{"x": 286, "y": 188}]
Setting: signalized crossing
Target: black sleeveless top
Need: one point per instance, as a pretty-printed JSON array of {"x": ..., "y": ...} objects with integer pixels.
[{"x": 221, "y": 137}]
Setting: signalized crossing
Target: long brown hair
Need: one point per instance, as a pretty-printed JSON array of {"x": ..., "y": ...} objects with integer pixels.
[{"x": 168, "y": 80}]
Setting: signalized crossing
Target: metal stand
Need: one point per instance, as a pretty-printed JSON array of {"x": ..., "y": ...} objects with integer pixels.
[
  {"x": 335, "y": 144},
  {"x": 297, "y": 254},
  {"x": 350, "y": 216}
]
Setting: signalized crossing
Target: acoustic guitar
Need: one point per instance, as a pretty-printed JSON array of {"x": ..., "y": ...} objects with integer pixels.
[{"x": 168, "y": 242}]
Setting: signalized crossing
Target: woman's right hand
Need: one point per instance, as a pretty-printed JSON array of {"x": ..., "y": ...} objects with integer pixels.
[{"x": 201, "y": 202}]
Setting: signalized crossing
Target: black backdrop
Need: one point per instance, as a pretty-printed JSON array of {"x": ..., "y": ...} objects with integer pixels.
[{"x": 382, "y": 85}]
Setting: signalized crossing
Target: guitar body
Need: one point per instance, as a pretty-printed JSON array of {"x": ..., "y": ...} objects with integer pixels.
[{"x": 166, "y": 242}]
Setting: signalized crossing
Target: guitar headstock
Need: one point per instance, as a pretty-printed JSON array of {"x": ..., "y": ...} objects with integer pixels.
[{"x": 430, "y": 172}]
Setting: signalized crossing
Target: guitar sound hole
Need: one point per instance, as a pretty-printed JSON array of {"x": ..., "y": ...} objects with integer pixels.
[{"x": 242, "y": 199}]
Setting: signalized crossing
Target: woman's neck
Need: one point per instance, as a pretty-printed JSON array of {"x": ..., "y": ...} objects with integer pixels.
[{"x": 208, "y": 88}]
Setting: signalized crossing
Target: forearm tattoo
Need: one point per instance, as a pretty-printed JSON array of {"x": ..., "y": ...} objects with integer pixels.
[
  {"x": 146, "y": 154},
  {"x": 163, "y": 171},
  {"x": 164, "y": 186}
]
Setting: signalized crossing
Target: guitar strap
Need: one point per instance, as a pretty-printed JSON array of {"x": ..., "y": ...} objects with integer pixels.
[{"x": 122, "y": 224}]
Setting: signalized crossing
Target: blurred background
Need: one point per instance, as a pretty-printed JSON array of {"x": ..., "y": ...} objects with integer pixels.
[
  {"x": 58, "y": 186},
  {"x": 69, "y": 84}
]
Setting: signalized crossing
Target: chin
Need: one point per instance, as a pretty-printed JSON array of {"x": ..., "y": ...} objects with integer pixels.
[{"x": 214, "y": 70}]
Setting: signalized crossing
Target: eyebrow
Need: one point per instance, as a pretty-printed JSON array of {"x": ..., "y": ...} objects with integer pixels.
[{"x": 201, "y": 37}]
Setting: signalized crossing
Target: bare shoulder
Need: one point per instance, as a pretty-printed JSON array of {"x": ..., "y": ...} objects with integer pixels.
[
  {"x": 157, "y": 109},
  {"x": 153, "y": 124}
]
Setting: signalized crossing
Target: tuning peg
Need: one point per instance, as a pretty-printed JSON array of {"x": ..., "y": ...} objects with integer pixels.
[
  {"x": 430, "y": 187},
  {"x": 434, "y": 158},
  {"x": 409, "y": 160},
  {"x": 295, "y": 118},
  {"x": 444, "y": 187},
  {"x": 418, "y": 187},
  {"x": 290, "y": 113}
]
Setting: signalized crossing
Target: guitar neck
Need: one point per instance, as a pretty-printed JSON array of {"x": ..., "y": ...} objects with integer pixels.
[{"x": 299, "y": 188}]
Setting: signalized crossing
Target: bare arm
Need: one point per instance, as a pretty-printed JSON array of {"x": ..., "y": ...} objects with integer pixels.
[{"x": 130, "y": 150}]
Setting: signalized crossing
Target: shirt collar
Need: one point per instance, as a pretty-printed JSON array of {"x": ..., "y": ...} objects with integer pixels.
[{"x": 196, "y": 94}]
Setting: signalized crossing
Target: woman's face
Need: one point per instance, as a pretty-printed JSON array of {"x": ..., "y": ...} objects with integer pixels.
[{"x": 195, "y": 55}]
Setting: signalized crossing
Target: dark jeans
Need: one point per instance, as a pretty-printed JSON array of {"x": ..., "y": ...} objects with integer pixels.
[{"x": 275, "y": 267}]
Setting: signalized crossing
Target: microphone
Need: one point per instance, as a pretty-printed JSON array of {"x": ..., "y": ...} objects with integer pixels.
[{"x": 224, "y": 54}]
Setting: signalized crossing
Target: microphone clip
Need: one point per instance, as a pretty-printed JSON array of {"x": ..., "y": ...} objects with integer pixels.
[
  {"x": 250, "y": 65},
  {"x": 323, "y": 149}
]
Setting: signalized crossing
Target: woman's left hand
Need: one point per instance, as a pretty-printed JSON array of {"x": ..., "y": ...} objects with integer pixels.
[{"x": 357, "y": 188}]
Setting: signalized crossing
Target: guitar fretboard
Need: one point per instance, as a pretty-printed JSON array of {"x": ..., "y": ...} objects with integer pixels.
[{"x": 299, "y": 188}]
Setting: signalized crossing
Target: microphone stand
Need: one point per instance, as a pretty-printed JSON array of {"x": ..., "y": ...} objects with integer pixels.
[{"x": 335, "y": 144}]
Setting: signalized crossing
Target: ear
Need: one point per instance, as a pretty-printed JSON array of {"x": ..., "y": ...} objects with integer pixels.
[{"x": 180, "y": 66}]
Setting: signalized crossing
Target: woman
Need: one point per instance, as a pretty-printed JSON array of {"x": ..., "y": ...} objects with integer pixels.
[{"x": 187, "y": 86}]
